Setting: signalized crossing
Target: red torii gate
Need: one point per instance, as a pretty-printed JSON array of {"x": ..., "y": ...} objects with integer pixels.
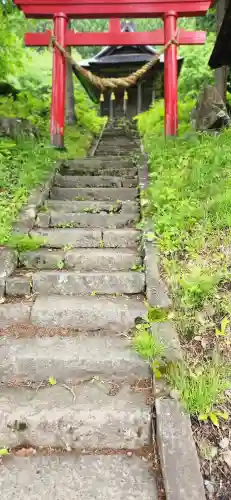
[{"x": 63, "y": 10}]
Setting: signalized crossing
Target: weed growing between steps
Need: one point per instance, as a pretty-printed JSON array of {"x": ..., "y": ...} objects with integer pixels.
[{"x": 188, "y": 201}]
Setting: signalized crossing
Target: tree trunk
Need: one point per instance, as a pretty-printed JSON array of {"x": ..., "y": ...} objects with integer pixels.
[
  {"x": 70, "y": 115},
  {"x": 221, "y": 74}
]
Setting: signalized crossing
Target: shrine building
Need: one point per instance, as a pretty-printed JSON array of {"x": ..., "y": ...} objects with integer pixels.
[{"x": 119, "y": 61}]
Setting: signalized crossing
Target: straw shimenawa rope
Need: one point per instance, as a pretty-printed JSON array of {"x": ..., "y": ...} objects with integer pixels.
[{"x": 113, "y": 83}]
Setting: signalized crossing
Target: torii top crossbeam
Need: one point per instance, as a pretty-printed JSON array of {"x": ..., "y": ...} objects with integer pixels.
[
  {"x": 112, "y": 8},
  {"x": 63, "y": 10}
]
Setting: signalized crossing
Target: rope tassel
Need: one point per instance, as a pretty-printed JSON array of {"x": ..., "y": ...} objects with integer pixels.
[{"x": 125, "y": 101}]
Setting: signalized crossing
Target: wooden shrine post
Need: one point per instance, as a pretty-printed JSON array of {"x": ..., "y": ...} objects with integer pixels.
[{"x": 62, "y": 10}]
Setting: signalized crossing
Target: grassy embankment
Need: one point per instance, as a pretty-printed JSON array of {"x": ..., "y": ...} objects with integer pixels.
[
  {"x": 189, "y": 203},
  {"x": 26, "y": 163}
]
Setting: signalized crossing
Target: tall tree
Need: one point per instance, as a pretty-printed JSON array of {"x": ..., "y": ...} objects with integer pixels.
[{"x": 221, "y": 74}]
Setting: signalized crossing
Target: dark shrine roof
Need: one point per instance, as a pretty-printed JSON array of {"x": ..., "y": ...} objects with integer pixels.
[
  {"x": 221, "y": 55},
  {"x": 120, "y": 58}
]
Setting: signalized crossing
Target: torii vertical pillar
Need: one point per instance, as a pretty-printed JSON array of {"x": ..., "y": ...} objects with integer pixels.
[
  {"x": 58, "y": 83},
  {"x": 170, "y": 75}
]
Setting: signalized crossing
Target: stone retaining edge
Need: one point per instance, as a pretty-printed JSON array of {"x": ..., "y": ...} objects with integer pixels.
[{"x": 172, "y": 427}]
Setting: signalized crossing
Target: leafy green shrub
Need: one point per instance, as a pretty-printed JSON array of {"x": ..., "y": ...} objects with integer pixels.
[
  {"x": 151, "y": 122},
  {"x": 196, "y": 72},
  {"x": 197, "y": 285}
]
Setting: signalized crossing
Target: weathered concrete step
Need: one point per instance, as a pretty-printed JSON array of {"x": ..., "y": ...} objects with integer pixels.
[
  {"x": 69, "y": 359},
  {"x": 92, "y": 418},
  {"x": 75, "y": 181},
  {"x": 60, "y": 238},
  {"x": 75, "y": 283},
  {"x": 114, "y": 148},
  {"x": 56, "y": 219},
  {"x": 114, "y": 138},
  {"x": 99, "y": 161},
  {"x": 89, "y": 206},
  {"x": 114, "y": 143},
  {"x": 100, "y": 194},
  {"x": 13, "y": 314},
  {"x": 110, "y": 169},
  {"x": 87, "y": 314},
  {"x": 98, "y": 259},
  {"x": 88, "y": 238},
  {"x": 117, "y": 152},
  {"x": 87, "y": 181},
  {"x": 107, "y": 314},
  {"x": 87, "y": 477}
]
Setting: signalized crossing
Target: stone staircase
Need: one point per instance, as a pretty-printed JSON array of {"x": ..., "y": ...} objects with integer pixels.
[{"x": 72, "y": 387}]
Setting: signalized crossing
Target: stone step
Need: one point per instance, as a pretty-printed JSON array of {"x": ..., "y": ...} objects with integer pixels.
[
  {"x": 87, "y": 181},
  {"x": 75, "y": 283},
  {"x": 75, "y": 181},
  {"x": 88, "y": 238},
  {"x": 86, "y": 314},
  {"x": 93, "y": 161},
  {"x": 68, "y": 238},
  {"x": 119, "y": 140},
  {"x": 100, "y": 194},
  {"x": 114, "y": 147},
  {"x": 86, "y": 477},
  {"x": 57, "y": 219},
  {"x": 90, "y": 206},
  {"x": 106, "y": 168},
  {"x": 69, "y": 359},
  {"x": 89, "y": 416},
  {"x": 117, "y": 152},
  {"x": 99, "y": 259},
  {"x": 116, "y": 238},
  {"x": 72, "y": 282},
  {"x": 16, "y": 313}
]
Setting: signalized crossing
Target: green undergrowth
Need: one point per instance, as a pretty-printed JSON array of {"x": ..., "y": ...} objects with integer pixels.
[
  {"x": 200, "y": 386},
  {"x": 201, "y": 389},
  {"x": 25, "y": 163},
  {"x": 189, "y": 203}
]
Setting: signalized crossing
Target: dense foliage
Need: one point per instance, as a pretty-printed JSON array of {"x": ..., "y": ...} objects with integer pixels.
[
  {"x": 188, "y": 201},
  {"x": 191, "y": 214}
]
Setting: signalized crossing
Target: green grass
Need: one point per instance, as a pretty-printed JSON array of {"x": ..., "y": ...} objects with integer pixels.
[
  {"x": 27, "y": 164},
  {"x": 189, "y": 202},
  {"x": 147, "y": 346},
  {"x": 201, "y": 389}
]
